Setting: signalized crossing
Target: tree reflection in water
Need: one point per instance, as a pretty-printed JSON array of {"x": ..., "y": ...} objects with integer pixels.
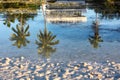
[
  {"x": 20, "y": 34},
  {"x": 46, "y": 41},
  {"x": 95, "y": 39}
]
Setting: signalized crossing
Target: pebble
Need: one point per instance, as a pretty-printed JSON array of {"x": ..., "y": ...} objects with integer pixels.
[
  {"x": 21, "y": 66},
  {"x": 41, "y": 74},
  {"x": 48, "y": 72},
  {"x": 84, "y": 64},
  {"x": 58, "y": 78},
  {"x": 89, "y": 67},
  {"x": 28, "y": 78},
  {"x": 22, "y": 58}
]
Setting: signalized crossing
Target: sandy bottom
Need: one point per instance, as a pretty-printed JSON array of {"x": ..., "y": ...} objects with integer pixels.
[{"x": 25, "y": 69}]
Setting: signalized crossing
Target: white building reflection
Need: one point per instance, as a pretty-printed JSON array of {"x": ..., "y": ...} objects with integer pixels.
[{"x": 66, "y": 12}]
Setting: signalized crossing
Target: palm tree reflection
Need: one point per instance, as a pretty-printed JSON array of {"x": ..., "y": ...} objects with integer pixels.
[
  {"x": 46, "y": 41},
  {"x": 20, "y": 34},
  {"x": 95, "y": 39}
]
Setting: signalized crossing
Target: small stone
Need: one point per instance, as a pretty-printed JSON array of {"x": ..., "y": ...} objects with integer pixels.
[
  {"x": 21, "y": 79},
  {"x": 99, "y": 76},
  {"x": 52, "y": 65},
  {"x": 46, "y": 77},
  {"x": 91, "y": 76},
  {"x": 110, "y": 78},
  {"x": 64, "y": 76},
  {"x": 58, "y": 78},
  {"x": 85, "y": 76},
  {"x": 21, "y": 58},
  {"x": 41, "y": 74},
  {"x": 79, "y": 77},
  {"x": 84, "y": 70},
  {"x": 21, "y": 66},
  {"x": 76, "y": 68},
  {"x": 28, "y": 78},
  {"x": 59, "y": 70},
  {"x": 48, "y": 72},
  {"x": 105, "y": 69},
  {"x": 6, "y": 60},
  {"x": 57, "y": 64},
  {"x": 112, "y": 63},
  {"x": 37, "y": 67},
  {"x": 84, "y": 64},
  {"x": 55, "y": 75},
  {"x": 89, "y": 67}
]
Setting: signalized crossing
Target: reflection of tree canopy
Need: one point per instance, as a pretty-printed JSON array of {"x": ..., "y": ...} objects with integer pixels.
[
  {"x": 10, "y": 18},
  {"x": 21, "y": 32},
  {"x": 95, "y": 39},
  {"x": 46, "y": 41},
  {"x": 18, "y": 5},
  {"x": 108, "y": 8},
  {"x": 19, "y": 36}
]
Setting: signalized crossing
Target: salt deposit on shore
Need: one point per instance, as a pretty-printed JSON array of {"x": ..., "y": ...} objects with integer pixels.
[{"x": 24, "y": 69}]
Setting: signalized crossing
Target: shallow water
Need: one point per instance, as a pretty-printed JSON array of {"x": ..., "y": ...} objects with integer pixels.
[{"x": 74, "y": 44}]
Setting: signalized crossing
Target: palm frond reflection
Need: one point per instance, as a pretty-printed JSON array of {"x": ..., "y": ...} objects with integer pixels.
[
  {"x": 46, "y": 41},
  {"x": 19, "y": 36}
]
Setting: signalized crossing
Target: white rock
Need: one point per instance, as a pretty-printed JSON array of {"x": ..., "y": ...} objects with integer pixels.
[
  {"x": 112, "y": 63},
  {"x": 79, "y": 77},
  {"x": 76, "y": 68},
  {"x": 84, "y": 64},
  {"x": 41, "y": 74},
  {"x": 110, "y": 78},
  {"x": 52, "y": 65},
  {"x": 89, "y": 67},
  {"x": 20, "y": 66},
  {"x": 57, "y": 64},
  {"x": 37, "y": 67},
  {"x": 84, "y": 70},
  {"x": 58, "y": 78},
  {"x": 22, "y": 58},
  {"x": 48, "y": 72},
  {"x": 64, "y": 76},
  {"x": 105, "y": 69},
  {"x": 46, "y": 77},
  {"x": 28, "y": 78},
  {"x": 59, "y": 70},
  {"x": 99, "y": 76},
  {"x": 85, "y": 76}
]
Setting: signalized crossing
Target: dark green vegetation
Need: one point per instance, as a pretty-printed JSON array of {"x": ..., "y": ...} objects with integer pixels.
[
  {"x": 18, "y": 5},
  {"x": 51, "y": 1},
  {"x": 107, "y": 8}
]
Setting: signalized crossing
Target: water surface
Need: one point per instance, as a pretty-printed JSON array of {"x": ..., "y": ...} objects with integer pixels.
[{"x": 74, "y": 37}]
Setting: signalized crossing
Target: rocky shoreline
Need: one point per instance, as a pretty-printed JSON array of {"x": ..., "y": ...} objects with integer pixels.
[{"x": 25, "y": 69}]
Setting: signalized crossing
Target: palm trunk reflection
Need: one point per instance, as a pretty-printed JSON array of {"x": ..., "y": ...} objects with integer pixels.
[{"x": 95, "y": 39}]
